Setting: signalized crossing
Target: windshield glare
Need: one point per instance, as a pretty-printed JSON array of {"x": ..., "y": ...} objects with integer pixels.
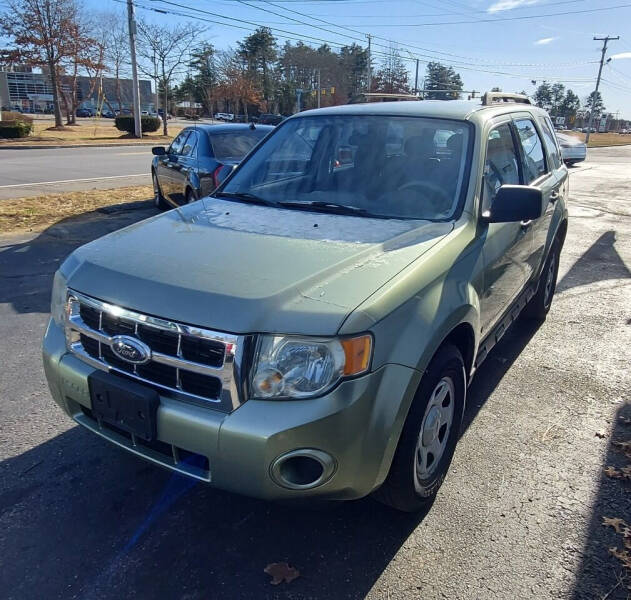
[{"x": 398, "y": 167}]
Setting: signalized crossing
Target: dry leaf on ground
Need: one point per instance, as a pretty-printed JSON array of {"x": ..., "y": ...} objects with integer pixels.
[
  {"x": 617, "y": 523},
  {"x": 281, "y": 572}
]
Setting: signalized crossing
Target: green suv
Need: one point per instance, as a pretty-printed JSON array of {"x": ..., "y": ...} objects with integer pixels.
[{"x": 310, "y": 329}]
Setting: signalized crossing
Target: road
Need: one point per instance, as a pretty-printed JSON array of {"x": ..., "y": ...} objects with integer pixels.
[
  {"x": 35, "y": 172},
  {"x": 519, "y": 515}
]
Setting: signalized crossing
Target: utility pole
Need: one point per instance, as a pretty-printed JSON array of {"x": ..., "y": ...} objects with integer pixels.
[
  {"x": 369, "y": 63},
  {"x": 319, "y": 89},
  {"x": 605, "y": 41},
  {"x": 416, "y": 78},
  {"x": 155, "y": 82},
  {"x": 131, "y": 22}
]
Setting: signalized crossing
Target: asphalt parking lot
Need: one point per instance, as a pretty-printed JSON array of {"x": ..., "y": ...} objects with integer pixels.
[{"x": 519, "y": 515}]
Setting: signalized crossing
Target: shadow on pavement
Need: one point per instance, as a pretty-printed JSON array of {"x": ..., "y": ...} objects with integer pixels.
[
  {"x": 99, "y": 523},
  {"x": 599, "y": 262},
  {"x": 27, "y": 265},
  {"x": 600, "y": 574}
]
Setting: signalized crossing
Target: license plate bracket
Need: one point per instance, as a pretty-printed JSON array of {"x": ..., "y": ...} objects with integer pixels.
[{"x": 124, "y": 404}]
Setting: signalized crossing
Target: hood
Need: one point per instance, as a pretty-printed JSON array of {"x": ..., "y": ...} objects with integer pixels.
[{"x": 244, "y": 268}]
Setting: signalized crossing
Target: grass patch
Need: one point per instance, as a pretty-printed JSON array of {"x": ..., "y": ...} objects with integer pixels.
[
  {"x": 94, "y": 131},
  {"x": 597, "y": 140},
  {"x": 39, "y": 212}
]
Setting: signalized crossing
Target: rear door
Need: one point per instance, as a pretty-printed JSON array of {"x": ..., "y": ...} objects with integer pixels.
[
  {"x": 552, "y": 192},
  {"x": 507, "y": 247},
  {"x": 184, "y": 168}
]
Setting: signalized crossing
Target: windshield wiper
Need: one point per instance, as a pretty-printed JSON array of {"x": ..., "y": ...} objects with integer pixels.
[
  {"x": 332, "y": 207},
  {"x": 246, "y": 197}
]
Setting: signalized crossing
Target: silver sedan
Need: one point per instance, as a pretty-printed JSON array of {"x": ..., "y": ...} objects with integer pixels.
[{"x": 572, "y": 149}]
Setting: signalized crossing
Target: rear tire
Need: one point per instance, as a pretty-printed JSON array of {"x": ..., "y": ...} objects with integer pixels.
[
  {"x": 539, "y": 306},
  {"x": 158, "y": 198},
  {"x": 429, "y": 435}
]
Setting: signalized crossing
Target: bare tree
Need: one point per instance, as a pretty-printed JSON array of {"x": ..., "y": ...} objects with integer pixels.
[
  {"x": 37, "y": 30},
  {"x": 85, "y": 54},
  {"x": 235, "y": 84},
  {"x": 116, "y": 49},
  {"x": 169, "y": 48}
]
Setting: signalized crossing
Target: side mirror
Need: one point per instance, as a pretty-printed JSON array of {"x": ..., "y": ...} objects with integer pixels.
[
  {"x": 514, "y": 203},
  {"x": 158, "y": 150}
]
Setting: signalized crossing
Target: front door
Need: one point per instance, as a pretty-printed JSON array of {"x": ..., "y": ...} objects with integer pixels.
[{"x": 507, "y": 246}]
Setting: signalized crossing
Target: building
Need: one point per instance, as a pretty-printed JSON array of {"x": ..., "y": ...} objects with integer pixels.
[{"x": 32, "y": 92}]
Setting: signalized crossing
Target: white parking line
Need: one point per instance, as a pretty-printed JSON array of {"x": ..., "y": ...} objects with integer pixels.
[{"x": 15, "y": 185}]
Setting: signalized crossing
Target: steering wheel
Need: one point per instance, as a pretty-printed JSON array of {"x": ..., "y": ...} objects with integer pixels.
[{"x": 437, "y": 195}]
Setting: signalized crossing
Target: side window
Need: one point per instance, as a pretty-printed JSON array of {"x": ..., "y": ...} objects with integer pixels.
[
  {"x": 178, "y": 143},
  {"x": 502, "y": 163},
  {"x": 190, "y": 146},
  {"x": 534, "y": 162},
  {"x": 549, "y": 139}
]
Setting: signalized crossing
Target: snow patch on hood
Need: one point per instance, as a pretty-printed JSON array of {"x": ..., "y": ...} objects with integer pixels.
[{"x": 321, "y": 227}]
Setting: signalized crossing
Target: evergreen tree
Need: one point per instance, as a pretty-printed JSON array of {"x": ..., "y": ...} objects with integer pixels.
[
  {"x": 439, "y": 77},
  {"x": 543, "y": 96},
  {"x": 259, "y": 53},
  {"x": 392, "y": 77}
]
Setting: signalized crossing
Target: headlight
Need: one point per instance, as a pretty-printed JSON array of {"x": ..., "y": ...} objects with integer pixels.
[
  {"x": 58, "y": 299},
  {"x": 294, "y": 367}
]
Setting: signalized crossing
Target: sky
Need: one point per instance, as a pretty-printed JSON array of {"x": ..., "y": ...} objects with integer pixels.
[{"x": 505, "y": 43}]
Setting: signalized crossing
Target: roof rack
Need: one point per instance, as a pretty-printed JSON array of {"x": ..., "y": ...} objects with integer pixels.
[
  {"x": 500, "y": 97},
  {"x": 381, "y": 97}
]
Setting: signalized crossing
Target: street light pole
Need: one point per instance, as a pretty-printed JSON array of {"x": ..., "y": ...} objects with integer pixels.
[
  {"x": 605, "y": 41},
  {"x": 131, "y": 22}
]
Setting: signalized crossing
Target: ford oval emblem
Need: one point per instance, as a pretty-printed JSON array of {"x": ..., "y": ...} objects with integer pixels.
[{"x": 130, "y": 349}]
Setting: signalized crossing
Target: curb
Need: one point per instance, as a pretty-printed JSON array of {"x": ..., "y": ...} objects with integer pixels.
[{"x": 43, "y": 147}]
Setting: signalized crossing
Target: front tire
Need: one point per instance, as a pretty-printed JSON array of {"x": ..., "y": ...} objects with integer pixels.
[{"x": 429, "y": 435}]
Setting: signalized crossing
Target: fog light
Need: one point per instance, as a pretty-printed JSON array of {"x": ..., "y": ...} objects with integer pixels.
[{"x": 303, "y": 469}]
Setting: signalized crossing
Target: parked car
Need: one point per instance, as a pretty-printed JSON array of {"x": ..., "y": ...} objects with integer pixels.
[
  {"x": 309, "y": 331},
  {"x": 270, "y": 119},
  {"x": 198, "y": 159},
  {"x": 108, "y": 114},
  {"x": 573, "y": 150},
  {"x": 224, "y": 116},
  {"x": 85, "y": 112}
]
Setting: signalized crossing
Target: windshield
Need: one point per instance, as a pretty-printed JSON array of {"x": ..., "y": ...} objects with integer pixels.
[
  {"x": 233, "y": 145},
  {"x": 388, "y": 166}
]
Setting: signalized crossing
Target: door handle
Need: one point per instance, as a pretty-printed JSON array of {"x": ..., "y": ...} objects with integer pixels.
[
  {"x": 554, "y": 196},
  {"x": 526, "y": 224}
]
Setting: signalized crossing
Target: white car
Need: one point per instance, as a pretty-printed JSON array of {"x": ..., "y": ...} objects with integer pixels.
[
  {"x": 224, "y": 117},
  {"x": 572, "y": 149}
]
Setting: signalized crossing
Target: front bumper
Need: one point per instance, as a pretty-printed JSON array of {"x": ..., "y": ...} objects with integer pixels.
[{"x": 357, "y": 424}]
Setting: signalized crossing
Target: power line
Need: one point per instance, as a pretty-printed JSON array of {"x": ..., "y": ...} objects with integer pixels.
[
  {"x": 407, "y": 46},
  {"x": 298, "y": 37},
  {"x": 407, "y": 16},
  {"x": 501, "y": 19}
]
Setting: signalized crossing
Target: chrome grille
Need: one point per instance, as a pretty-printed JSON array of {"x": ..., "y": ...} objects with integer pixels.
[{"x": 186, "y": 362}]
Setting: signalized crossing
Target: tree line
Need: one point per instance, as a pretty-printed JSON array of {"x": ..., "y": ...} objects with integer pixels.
[{"x": 562, "y": 102}]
